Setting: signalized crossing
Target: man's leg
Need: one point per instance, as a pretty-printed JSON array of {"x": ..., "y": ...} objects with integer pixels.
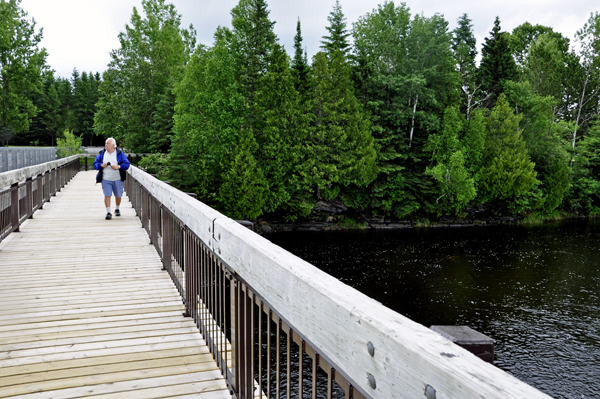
[
  {"x": 107, "y": 190},
  {"x": 118, "y": 190}
]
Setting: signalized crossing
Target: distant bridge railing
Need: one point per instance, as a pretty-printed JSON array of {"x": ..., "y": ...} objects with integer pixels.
[
  {"x": 12, "y": 158},
  {"x": 25, "y": 190},
  {"x": 293, "y": 330}
]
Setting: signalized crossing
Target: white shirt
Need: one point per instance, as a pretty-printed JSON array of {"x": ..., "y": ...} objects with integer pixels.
[{"x": 109, "y": 173}]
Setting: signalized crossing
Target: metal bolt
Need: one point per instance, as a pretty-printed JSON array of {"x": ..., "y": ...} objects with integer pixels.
[
  {"x": 219, "y": 236},
  {"x": 209, "y": 229},
  {"x": 372, "y": 382},
  {"x": 371, "y": 349},
  {"x": 429, "y": 392}
]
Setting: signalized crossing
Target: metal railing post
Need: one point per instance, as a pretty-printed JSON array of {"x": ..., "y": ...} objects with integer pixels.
[
  {"x": 29, "y": 196},
  {"x": 14, "y": 206}
]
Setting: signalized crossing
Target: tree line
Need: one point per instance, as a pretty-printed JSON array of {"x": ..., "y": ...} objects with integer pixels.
[{"x": 393, "y": 116}]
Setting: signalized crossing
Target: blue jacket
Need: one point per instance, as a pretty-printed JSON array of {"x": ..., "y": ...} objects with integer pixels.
[{"x": 121, "y": 160}]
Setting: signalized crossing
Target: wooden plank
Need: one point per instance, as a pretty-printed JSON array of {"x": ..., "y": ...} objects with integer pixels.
[{"x": 85, "y": 309}]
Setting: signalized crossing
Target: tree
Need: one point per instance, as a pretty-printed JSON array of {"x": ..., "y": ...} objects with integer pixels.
[
  {"x": 209, "y": 114},
  {"x": 300, "y": 66},
  {"x": 497, "y": 64},
  {"x": 507, "y": 172},
  {"x": 252, "y": 42},
  {"x": 525, "y": 34},
  {"x": 337, "y": 39},
  {"x": 464, "y": 46},
  {"x": 279, "y": 131},
  {"x": 544, "y": 139},
  {"x": 21, "y": 66},
  {"x": 585, "y": 72},
  {"x": 584, "y": 195},
  {"x": 406, "y": 77},
  {"x": 456, "y": 184},
  {"x": 244, "y": 185},
  {"x": 153, "y": 53},
  {"x": 339, "y": 150}
]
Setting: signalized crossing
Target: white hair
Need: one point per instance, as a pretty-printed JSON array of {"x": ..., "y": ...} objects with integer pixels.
[{"x": 114, "y": 142}]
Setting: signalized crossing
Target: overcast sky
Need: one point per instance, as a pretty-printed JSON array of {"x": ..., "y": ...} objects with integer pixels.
[{"x": 81, "y": 33}]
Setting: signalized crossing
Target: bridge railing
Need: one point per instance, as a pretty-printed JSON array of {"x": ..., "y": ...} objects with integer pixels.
[
  {"x": 25, "y": 190},
  {"x": 279, "y": 327},
  {"x": 12, "y": 158}
]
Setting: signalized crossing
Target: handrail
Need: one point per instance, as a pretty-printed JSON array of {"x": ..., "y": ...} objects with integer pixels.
[
  {"x": 27, "y": 189},
  {"x": 270, "y": 306}
]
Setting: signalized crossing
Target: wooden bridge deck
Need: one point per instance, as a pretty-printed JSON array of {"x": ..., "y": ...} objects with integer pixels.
[{"x": 85, "y": 310}]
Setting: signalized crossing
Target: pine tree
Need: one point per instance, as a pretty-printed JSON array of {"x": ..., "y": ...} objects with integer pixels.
[
  {"x": 253, "y": 43},
  {"x": 337, "y": 40},
  {"x": 300, "y": 66},
  {"x": 497, "y": 64},
  {"x": 464, "y": 46}
]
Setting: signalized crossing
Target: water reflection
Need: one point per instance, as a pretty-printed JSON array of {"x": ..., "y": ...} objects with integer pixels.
[{"x": 532, "y": 289}]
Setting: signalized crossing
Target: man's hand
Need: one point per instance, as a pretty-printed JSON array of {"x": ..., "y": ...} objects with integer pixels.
[{"x": 115, "y": 167}]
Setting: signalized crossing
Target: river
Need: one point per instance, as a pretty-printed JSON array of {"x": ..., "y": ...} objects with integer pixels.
[{"x": 535, "y": 290}]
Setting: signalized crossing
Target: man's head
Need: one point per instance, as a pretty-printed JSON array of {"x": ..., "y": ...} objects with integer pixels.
[{"x": 110, "y": 144}]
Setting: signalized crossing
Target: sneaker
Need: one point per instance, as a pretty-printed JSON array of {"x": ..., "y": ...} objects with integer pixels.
[
  {"x": 117, "y": 212},
  {"x": 108, "y": 216}
]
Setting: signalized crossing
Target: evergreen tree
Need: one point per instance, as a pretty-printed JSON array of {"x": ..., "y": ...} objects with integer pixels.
[
  {"x": 253, "y": 41},
  {"x": 21, "y": 66},
  {"x": 464, "y": 46},
  {"x": 497, "y": 64},
  {"x": 280, "y": 130},
  {"x": 507, "y": 171},
  {"x": 337, "y": 39},
  {"x": 243, "y": 187},
  {"x": 339, "y": 150},
  {"x": 300, "y": 66},
  {"x": 584, "y": 195}
]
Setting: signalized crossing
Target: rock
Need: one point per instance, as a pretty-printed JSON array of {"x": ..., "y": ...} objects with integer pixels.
[
  {"x": 266, "y": 228},
  {"x": 330, "y": 207}
]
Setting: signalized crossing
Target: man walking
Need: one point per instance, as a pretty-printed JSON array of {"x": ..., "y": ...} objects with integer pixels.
[{"x": 112, "y": 163}]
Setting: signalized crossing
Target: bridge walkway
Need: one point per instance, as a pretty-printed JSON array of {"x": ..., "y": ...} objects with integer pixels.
[{"x": 86, "y": 311}]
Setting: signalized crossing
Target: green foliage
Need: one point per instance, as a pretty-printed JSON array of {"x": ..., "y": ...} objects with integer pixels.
[
  {"x": 279, "y": 130},
  {"x": 339, "y": 148},
  {"x": 21, "y": 65},
  {"x": 497, "y": 63},
  {"x": 68, "y": 146},
  {"x": 507, "y": 172},
  {"x": 337, "y": 40},
  {"x": 456, "y": 184},
  {"x": 584, "y": 195},
  {"x": 155, "y": 164},
  {"x": 140, "y": 77},
  {"x": 300, "y": 67},
  {"x": 244, "y": 185}
]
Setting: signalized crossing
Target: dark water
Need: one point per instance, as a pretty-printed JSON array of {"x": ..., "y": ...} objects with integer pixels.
[{"x": 535, "y": 290}]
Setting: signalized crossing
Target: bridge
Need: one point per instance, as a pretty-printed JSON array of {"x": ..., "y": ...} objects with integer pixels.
[{"x": 173, "y": 299}]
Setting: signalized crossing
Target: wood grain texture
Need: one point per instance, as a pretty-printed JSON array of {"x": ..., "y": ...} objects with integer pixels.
[{"x": 85, "y": 309}]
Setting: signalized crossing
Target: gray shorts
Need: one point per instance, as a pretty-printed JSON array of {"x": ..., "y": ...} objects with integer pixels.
[{"x": 110, "y": 187}]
